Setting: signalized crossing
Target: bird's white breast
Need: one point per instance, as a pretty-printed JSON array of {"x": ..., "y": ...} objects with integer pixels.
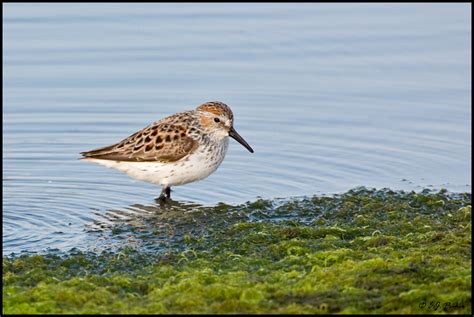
[{"x": 196, "y": 166}]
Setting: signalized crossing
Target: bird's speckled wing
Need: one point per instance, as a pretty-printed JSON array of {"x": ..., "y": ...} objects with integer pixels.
[{"x": 166, "y": 140}]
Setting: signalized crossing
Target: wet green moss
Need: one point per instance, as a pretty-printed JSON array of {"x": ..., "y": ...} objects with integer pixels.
[{"x": 365, "y": 251}]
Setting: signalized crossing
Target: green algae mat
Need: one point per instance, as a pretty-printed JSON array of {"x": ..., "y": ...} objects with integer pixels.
[{"x": 364, "y": 251}]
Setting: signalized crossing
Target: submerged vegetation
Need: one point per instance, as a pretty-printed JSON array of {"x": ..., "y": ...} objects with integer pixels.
[{"x": 365, "y": 251}]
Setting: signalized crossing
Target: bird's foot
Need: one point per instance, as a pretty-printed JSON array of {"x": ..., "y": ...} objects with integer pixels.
[
  {"x": 162, "y": 199},
  {"x": 165, "y": 196}
]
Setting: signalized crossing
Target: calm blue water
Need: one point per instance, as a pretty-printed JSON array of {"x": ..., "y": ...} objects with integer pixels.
[{"x": 330, "y": 96}]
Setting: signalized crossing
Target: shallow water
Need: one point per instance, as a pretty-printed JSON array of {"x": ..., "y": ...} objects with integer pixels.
[{"x": 329, "y": 96}]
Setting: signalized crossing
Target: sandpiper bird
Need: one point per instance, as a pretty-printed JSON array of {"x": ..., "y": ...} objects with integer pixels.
[{"x": 182, "y": 148}]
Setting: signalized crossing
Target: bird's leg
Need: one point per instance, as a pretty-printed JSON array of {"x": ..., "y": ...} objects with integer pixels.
[
  {"x": 162, "y": 194},
  {"x": 165, "y": 193}
]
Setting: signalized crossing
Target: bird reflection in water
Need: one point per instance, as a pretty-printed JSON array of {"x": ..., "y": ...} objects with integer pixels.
[{"x": 160, "y": 226}]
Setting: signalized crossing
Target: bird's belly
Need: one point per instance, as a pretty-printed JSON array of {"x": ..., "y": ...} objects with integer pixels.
[{"x": 197, "y": 166}]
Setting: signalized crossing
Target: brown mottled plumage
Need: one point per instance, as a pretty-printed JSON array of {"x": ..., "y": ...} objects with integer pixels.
[{"x": 159, "y": 142}]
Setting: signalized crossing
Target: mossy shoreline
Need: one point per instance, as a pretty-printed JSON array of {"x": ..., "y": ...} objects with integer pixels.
[{"x": 364, "y": 251}]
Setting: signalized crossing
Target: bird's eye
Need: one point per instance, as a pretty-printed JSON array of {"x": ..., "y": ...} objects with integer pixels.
[{"x": 217, "y": 120}]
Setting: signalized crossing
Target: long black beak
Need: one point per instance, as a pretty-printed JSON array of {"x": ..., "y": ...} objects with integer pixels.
[{"x": 233, "y": 134}]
